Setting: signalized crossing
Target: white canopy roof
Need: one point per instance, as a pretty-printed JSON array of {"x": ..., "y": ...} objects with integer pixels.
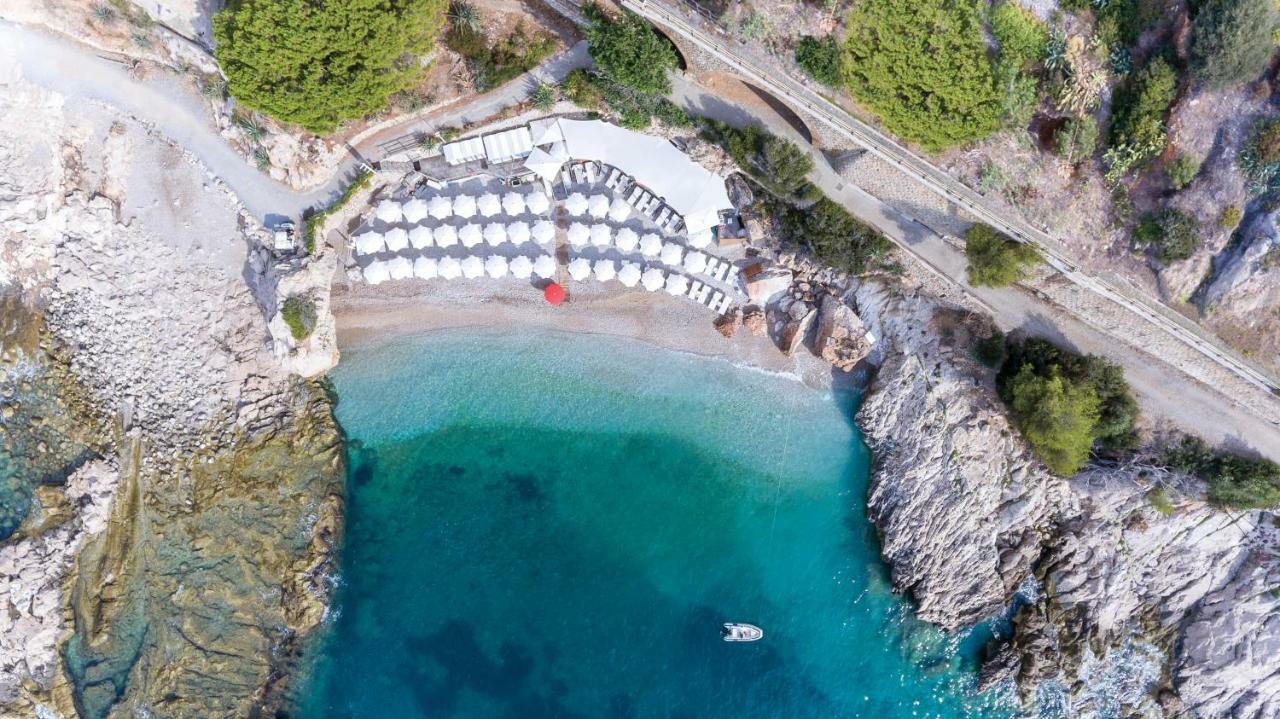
[
  {"x": 445, "y": 236},
  {"x": 650, "y": 244},
  {"x": 544, "y": 266},
  {"x": 496, "y": 266},
  {"x": 654, "y": 279},
  {"x": 695, "y": 192},
  {"x": 495, "y": 234},
  {"x": 695, "y": 262},
  {"x": 397, "y": 238},
  {"x": 456, "y": 153},
  {"x": 545, "y": 131},
  {"x": 424, "y": 268},
  {"x": 677, "y": 285},
  {"x": 368, "y": 243},
  {"x": 598, "y": 206},
  {"x": 439, "y": 207},
  {"x": 414, "y": 210},
  {"x": 544, "y": 231},
  {"x": 489, "y": 204},
  {"x": 629, "y": 275},
  {"x": 508, "y": 144},
  {"x": 536, "y": 202},
  {"x": 472, "y": 267},
  {"x": 513, "y": 203},
  {"x": 627, "y": 240},
  {"x": 601, "y": 235},
  {"x": 578, "y": 234},
  {"x": 619, "y": 210},
  {"x": 401, "y": 268},
  {"x": 579, "y": 268},
  {"x": 521, "y": 266},
  {"x": 376, "y": 273},
  {"x": 575, "y": 204},
  {"x": 700, "y": 239},
  {"x": 518, "y": 233},
  {"x": 672, "y": 254},
  {"x": 464, "y": 206},
  {"x": 605, "y": 270},
  {"x": 420, "y": 237},
  {"x": 388, "y": 211},
  {"x": 449, "y": 268},
  {"x": 546, "y": 163},
  {"x": 469, "y": 235}
]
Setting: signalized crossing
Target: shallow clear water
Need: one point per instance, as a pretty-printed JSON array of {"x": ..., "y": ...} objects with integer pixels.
[{"x": 556, "y": 525}]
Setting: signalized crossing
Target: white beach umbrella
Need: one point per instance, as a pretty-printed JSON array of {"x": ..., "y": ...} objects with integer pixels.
[
  {"x": 469, "y": 235},
  {"x": 376, "y": 273},
  {"x": 544, "y": 267},
  {"x": 575, "y": 204},
  {"x": 598, "y": 206},
  {"x": 388, "y": 211},
  {"x": 420, "y": 237},
  {"x": 578, "y": 234},
  {"x": 414, "y": 210},
  {"x": 605, "y": 270},
  {"x": 495, "y": 234},
  {"x": 425, "y": 268},
  {"x": 445, "y": 236},
  {"x": 464, "y": 206},
  {"x": 537, "y": 202},
  {"x": 695, "y": 262},
  {"x": 496, "y": 266},
  {"x": 629, "y": 275},
  {"x": 650, "y": 245},
  {"x": 521, "y": 266},
  {"x": 619, "y": 210},
  {"x": 627, "y": 240},
  {"x": 544, "y": 231},
  {"x": 369, "y": 243},
  {"x": 401, "y": 268},
  {"x": 513, "y": 203},
  {"x": 449, "y": 268},
  {"x": 700, "y": 239},
  {"x": 672, "y": 254},
  {"x": 518, "y": 233},
  {"x": 677, "y": 285},
  {"x": 489, "y": 204},
  {"x": 439, "y": 207},
  {"x": 601, "y": 235},
  {"x": 654, "y": 279},
  {"x": 580, "y": 268},
  {"x": 397, "y": 238},
  {"x": 472, "y": 267}
]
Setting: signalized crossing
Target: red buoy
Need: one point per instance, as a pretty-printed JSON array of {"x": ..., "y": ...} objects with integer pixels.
[{"x": 554, "y": 293}]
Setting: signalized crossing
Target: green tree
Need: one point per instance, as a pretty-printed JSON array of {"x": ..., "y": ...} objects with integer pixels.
[
  {"x": 1181, "y": 171},
  {"x": 1022, "y": 36},
  {"x": 627, "y": 49},
  {"x": 777, "y": 164},
  {"x": 1234, "y": 481},
  {"x": 1139, "y": 109},
  {"x": 1231, "y": 41},
  {"x": 922, "y": 67},
  {"x": 1077, "y": 139},
  {"x": 1171, "y": 235},
  {"x": 996, "y": 260},
  {"x": 1056, "y": 417},
  {"x": 820, "y": 58},
  {"x": 835, "y": 237},
  {"x": 320, "y": 64}
]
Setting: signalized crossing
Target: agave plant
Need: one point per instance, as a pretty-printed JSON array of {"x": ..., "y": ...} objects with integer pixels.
[
  {"x": 251, "y": 126},
  {"x": 1055, "y": 52},
  {"x": 465, "y": 16},
  {"x": 103, "y": 13}
]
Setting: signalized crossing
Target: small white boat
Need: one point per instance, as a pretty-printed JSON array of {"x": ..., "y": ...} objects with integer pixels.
[{"x": 736, "y": 632}]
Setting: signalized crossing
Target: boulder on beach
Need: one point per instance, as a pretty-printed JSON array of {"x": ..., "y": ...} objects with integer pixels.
[
  {"x": 767, "y": 283},
  {"x": 842, "y": 338}
]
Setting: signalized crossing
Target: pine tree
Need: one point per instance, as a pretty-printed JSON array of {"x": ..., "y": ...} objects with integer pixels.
[{"x": 1231, "y": 41}]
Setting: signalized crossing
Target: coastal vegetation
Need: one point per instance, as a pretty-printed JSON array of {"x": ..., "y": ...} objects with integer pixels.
[
  {"x": 629, "y": 52},
  {"x": 1138, "y": 112},
  {"x": 996, "y": 260},
  {"x": 318, "y": 66},
  {"x": 1181, "y": 171},
  {"x": 299, "y": 313},
  {"x": 1023, "y": 40},
  {"x": 819, "y": 57},
  {"x": 628, "y": 108},
  {"x": 1232, "y": 41},
  {"x": 775, "y": 163},
  {"x": 1234, "y": 482},
  {"x": 1171, "y": 235},
  {"x": 494, "y": 63},
  {"x": 835, "y": 237},
  {"x": 312, "y": 223}
]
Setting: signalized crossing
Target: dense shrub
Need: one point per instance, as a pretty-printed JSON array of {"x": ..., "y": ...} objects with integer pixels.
[
  {"x": 1231, "y": 41},
  {"x": 1260, "y": 156},
  {"x": 777, "y": 164},
  {"x": 312, "y": 223},
  {"x": 820, "y": 58},
  {"x": 1055, "y": 416},
  {"x": 922, "y": 67},
  {"x": 1023, "y": 40},
  {"x": 626, "y": 48},
  {"x": 1171, "y": 235},
  {"x": 1117, "y": 21},
  {"x": 996, "y": 260},
  {"x": 318, "y": 65},
  {"x": 1234, "y": 481},
  {"x": 581, "y": 90},
  {"x": 499, "y": 63},
  {"x": 990, "y": 350},
  {"x": 1181, "y": 171},
  {"x": 1077, "y": 139},
  {"x": 299, "y": 313},
  {"x": 1231, "y": 216},
  {"x": 1138, "y": 110},
  {"x": 835, "y": 237},
  {"x": 631, "y": 109}
]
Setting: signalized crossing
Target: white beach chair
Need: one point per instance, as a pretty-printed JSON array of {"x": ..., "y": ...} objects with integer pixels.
[
  {"x": 614, "y": 176},
  {"x": 703, "y": 294},
  {"x": 714, "y": 301},
  {"x": 591, "y": 173},
  {"x": 694, "y": 288}
]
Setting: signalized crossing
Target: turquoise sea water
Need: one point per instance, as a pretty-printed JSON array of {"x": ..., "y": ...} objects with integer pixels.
[{"x": 553, "y": 525}]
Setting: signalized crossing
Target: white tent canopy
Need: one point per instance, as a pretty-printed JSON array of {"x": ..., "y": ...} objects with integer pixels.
[
  {"x": 376, "y": 273},
  {"x": 629, "y": 275},
  {"x": 619, "y": 210},
  {"x": 449, "y": 268},
  {"x": 445, "y": 236},
  {"x": 496, "y": 266},
  {"x": 579, "y": 268},
  {"x": 456, "y": 153},
  {"x": 495, "y": 234},
  {"x": 578, "y": 234},
  {"x": 545, "y": 131},
  {"x": 544, "y": 164},
  {"x": 397, "y": 238},
  {"x": 605, "y": 270},
  {"x": 701, "y": 239},
  {"x": 518, "y": 233},
  {"x": 695, "y": 262},
  {"x": 544, "y": 267},
  {"x": 508, "y": 144},
  {"x": 627, "y": 240},
  {"x": 598, "y": 206},
  {"x": 654, "y": 279},
  {"x": 368, "y": 243},
  {"x": 513, "y": 203},
  {"x": 544, "y": 231},
  {"x": 489, "y": 204},
  {"x": 650, "y": 244},
  {"x": 472, "y": 267},
  {"x": 388, "y": 211},
  {"x": 575, "y": 204},
  {"x": 414, "y": 210},
  {"x": 420, "y": 237},
  {"x": 401, "y": 268},
  {"x": 601, "y": 235},
  {"x": 424, "y": 268},
  {"x": 536, "y": 202},
  {"x": 672, "y": 254},
  {"x": 469, "y": 235},
  {"x": 521, "y": 266},
  {"x": 439, "y": 207},
  {"x": 464, "y": 206},
  {"x": 677, "y": 285}
]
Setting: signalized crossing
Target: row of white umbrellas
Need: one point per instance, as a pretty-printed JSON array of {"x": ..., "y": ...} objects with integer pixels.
[
  {"x": 470, "y": 267},
  {"x": 629, "y": 274},
  {"x": 597, "y": 206},
  {"x": 627, "y": 240},
  {"x": 440, "y": 207},
  {"x": 469, "y": 235}
]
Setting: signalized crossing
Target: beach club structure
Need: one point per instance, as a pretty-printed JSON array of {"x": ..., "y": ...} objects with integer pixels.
[{"x": 613, "y": 204}]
